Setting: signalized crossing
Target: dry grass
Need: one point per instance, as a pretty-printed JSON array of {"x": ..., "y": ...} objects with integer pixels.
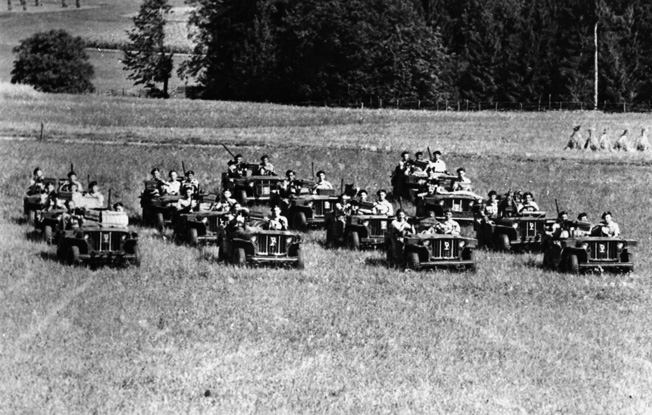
[{"x": 347, "y": 335}]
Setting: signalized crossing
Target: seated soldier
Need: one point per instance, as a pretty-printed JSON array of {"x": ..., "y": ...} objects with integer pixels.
[
  {"x": 400, "y": 227},
  {"x": 462, "y": 182},
  {"x": 419, "y": 165},
  {"x": 53, "y": 202},
  {"x": 118, "y": 207},
  {"x": 187, "y": 203},
  {"x": 529, "y": 205},
  {"x": 437, "y": 166},
  {"x": 72, "y": 180},
  {"x": 226, "y": 202},
  {"x": 584, "y": 226},
  {"x": 191, "y": 180},
  {"x": 94, "y": 193},
  {"x": 342, "y": 209},
  {"x": 173, "y": 186},
  {"x": 491, "y": 207},
  {"x": 360, "y": 205},
  {"x": 237, "y": 225},
  {"x": 290, "y": 186},
  {"x": 432, "y": 189},
  {"x": 275, "y": 221},
  {"x": 240, "y": 165},
  {"x": 37, "y": 174},
  {"x": 607, "y": 227},
  {"x": 449, "y": 226},
  {"x": 428, "y": 224},
  {"x": 559, "y": 229},
  {"x": 232, "y": 172},
  {"x": 265, "y": 168},
  {"x": 382, "y": 206},
  {"x": 71, "y": 219},
  {"x": 322, "y": 183},
  {"x": 401, "y": 171},
  {"x": 37, "y": 188}
]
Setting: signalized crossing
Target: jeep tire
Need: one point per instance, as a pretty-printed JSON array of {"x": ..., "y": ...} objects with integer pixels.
[
  {"x": 47, "y": 234},
  {"x": 299, "y": 221},
  {"x": 72, "y": 255},
  {"x": 354, "y": 241}
]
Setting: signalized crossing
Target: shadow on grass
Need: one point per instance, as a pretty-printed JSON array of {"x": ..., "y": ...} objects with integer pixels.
[
  {"x": 378, "y": 262},
  {"x": 50, "y": 256},
  {"x": 34, "y": 235}
]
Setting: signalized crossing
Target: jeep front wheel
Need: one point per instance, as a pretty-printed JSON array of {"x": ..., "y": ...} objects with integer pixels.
[
  {"x": 160, "y": 222},
  {"x": 354, "y": 241},
  {"x": 239, "y": 257},
  {"x": 299, "y": 222},
  {"x": 503, "y": 242},
  {"x": 47, "y": 234},
  {"x": 573, "y": 265},
  {"x": 300, "y": 260},
  {"x": 413, "y": 261},
  {"x": 72, "y": 256},
  {"x": 193, "y": 237}
]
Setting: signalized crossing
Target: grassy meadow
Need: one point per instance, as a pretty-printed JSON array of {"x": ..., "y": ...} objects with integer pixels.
[{"x": 184, "y": 334}]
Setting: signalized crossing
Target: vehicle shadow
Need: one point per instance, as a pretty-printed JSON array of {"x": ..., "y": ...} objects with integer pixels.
[
  {"x": 377, "y": 262},
  {"x": 34, "y": 235},
  {"x": 49, "y": 256}
]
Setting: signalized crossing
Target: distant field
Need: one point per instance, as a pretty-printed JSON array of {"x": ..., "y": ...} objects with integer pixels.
[
  {"x": 97, "y": 20},
  {"x": 184, "y": 334}
]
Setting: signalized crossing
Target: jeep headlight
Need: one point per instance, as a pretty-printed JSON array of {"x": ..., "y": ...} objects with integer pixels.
[
  {"x": 327, "y": 205},
  {"x": 204, "y": 220},
  {"x": 123, "y": 237},
  {"x": 441, "y": 203},
  {"x": 251, "y": 184},
  {"x": 365, "y": 223},
  {"x": 620, "y": 246},
  {"x": 87, "y": 236},
  {"x": 289, "y": 240},
  {"x": 585, "y": 246},
  {"x": 462, "y": 244},
  {"x": 426, "y": 243},
  {"x": 254, "y": 238},
  {"x": 515, "y": 225}
]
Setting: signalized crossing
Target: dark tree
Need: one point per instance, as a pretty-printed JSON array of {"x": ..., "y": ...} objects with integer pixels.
[
  {"x": 146, "y": 56},
  {"x": 53, "y": 61}
]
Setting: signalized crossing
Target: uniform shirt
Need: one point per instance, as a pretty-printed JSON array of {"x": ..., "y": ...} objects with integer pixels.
[
  {"x": 401, "y": 228},
  {"x": 529, "y": 207},
  {"x": 172, "y": 188},
  {"x": 322, "y": 185},
  {"x": 449, "y": 227},
  {"x": 185, "y": 205},
  {"x": 279, "y": 223},
  {"x": 97, "y": 196},
  {"x": 438, "y": 166},
  {"x": 491, "y": 209},
  {"x": 611, "y": 229},
  {"x": 383, "y": 208},
  {"x": 266, "y": 169}
]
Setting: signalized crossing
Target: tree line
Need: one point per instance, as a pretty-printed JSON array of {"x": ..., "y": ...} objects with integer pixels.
[{"x": 478, "y": 50}]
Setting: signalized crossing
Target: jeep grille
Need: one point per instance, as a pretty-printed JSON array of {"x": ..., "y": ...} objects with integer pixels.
[
  {"x": 272, "y": 245},
  {"x": 321, "y": 207},
  {"x": 104, "y": 241},
  {"x": 264, "y": 187},
  {"x": 213, "y": 223},
  {"x": 444, "y": 248},
  {"x": 531, "y": 228},
  {"x": 458, "y": 206},
  {"x": 377, "y": 228},
  {"x": 603, "y": 251}
]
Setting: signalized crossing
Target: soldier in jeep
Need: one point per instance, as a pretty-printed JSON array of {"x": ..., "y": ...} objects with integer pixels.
[
  {"x": 187, "y": 203},
  {"x": 400, "y": 226},
  {"x": 607, "y": 227},
  {"x": 71, "y": 219},
  {"x": 322, "y": 183},
  {"x": 72, "y": 181},
  {"x": 265, "y": 168},
  {"x": 449, "y": 226},
  {"x": 382, "y": 206},
  {"x": 276, "y": 221},
  {"x": 529, "y": 205},
  {"x": 94, "y": 193}
]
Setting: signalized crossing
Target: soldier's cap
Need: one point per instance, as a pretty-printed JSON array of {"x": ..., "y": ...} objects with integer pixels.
[
  {"x": 492, "y": 192},
  {"x": 418, "y": 153},
  {"x": 604, "y": 215},
  {"x": 230, "y": 163},
  {"x": 577, "y": 127},
  {"x": 189, "y": 172},
  {"x": 321, "y": 172},
  {"x": 37, "y": 170},
  {"x": 154, "y": 170},
  {"x": 437, "y": 152},
  {"x": 381, "y": 191},
  {"x": 91, "y": 184},
  {"x": 264, "y": 157},
  {"x": 405, "y": 153},
  {"x": 71, "y": 173},
  {"x": 582, "y": 215},
  {"x": 238, "y": 156},
  {"x": 461, "y": 169},
  {"x": 287, "y": 173}
]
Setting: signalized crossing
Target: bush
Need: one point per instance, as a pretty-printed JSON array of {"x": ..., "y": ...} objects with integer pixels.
[{"x": 53, "y": 61}]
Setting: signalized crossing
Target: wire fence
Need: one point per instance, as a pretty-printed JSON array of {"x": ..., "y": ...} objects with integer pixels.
[{"x": 193, "y": 92}]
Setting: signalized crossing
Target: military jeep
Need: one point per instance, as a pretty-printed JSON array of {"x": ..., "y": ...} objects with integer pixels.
[
  {"x": 156, "y": 207},
  {"x": 522, "y": 232},
  {"x": 103, "y": 239},
  {"x": 431, "y": 250},
  {"x": 201, "y": 228},
  {"x": 462, "y": 205},
  {"x": 252, "y": 189},
  {"x": 264, "y": 247},
  {"x": 575, "y": 252},
  {"x": 360, "y": 232},
  {"x": 310, "y": 211},
  {"x": 33, "y": 204}
]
